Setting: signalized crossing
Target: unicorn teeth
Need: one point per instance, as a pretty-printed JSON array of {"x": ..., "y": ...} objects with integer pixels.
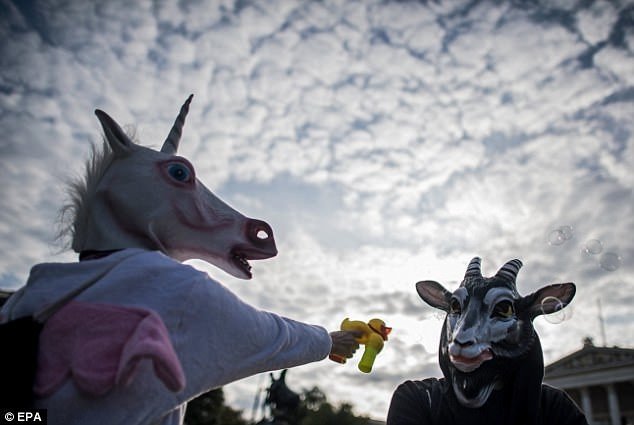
[{"x": 242, "y": 260}]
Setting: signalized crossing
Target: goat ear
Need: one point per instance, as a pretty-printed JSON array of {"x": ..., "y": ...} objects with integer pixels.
[
  {"x": 434, "y": 294},
  {"x": 116, "y": 137},
  {"x": 548, "y": 299}
]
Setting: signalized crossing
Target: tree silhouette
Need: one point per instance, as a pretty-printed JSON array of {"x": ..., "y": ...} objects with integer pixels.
[
  {"x": 316, "y": 410},
  {"x": 210, "y": 409}
]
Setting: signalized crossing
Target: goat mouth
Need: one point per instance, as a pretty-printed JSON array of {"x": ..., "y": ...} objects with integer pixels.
[
  {"x": 469, "y": 364},
  {"x": 472, "y": 392}
]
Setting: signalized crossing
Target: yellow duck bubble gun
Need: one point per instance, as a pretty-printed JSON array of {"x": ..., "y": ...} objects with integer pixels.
[{"x": 373, "y": 334}]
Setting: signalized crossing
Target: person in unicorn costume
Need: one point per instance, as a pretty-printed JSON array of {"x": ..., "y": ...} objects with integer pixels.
[{"x": 143, "y": 333}]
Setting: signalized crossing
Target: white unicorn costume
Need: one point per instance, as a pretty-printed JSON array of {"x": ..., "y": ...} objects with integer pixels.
[
  {"x": 238, "y": 341},
  {"x": 149, "y": 333}
]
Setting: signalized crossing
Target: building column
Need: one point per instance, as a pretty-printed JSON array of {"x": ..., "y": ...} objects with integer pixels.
[
  {"x": 586, "y": 404},
  {"x": 613, "y": 403}
]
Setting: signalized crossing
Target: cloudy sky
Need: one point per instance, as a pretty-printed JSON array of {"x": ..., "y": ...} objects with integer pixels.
[{"x": 386, "y": 142}]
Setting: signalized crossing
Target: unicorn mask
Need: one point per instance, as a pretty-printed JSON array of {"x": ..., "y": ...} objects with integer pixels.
[
  {"x": 488, "y": 339},
  {"x": 134, "y": 196}
]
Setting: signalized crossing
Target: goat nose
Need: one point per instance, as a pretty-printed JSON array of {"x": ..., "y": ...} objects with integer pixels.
[
  {"x": 457, "y": 348},
  {"x": 260, "y": 234},
  {"x": 465, "y": 339}
]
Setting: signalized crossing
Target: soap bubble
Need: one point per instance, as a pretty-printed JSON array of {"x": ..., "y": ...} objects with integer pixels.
[
  {"x": 593, "y": 247},
  {"x": 560, "y": 235},
  {"x": 556, "y": 237},
  {"x": 610, "y": 261},
  {"x": 566, "y": 232},
  {"x": 559, "y": 314}
]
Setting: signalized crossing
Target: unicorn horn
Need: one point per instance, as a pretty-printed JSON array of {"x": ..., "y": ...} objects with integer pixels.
[{"x": 173, "y": 139}]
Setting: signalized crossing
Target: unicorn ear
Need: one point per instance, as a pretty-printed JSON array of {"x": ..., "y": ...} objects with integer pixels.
[
  {"x": 434, "y": 294},
  {"x": 117, "y": 139}
]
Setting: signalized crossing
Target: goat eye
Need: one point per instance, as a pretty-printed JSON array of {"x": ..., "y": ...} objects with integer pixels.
[
  {"x": 179, "y": 172},
  {"x": 454, "y": 306},
  {"x": 503, "y": 309}
]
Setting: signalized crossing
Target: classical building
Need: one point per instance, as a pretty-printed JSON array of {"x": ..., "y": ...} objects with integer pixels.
[{"x": 600, "y": 380}]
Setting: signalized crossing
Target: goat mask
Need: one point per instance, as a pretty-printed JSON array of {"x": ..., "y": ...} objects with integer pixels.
[{"x": 488, "y": 340}]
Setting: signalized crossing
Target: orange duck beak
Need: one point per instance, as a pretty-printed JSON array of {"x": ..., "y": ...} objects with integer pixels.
[{"x": 385, "y": 331}]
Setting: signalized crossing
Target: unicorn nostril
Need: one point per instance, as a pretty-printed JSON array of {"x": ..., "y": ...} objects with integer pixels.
[{"x": 260, "y": 235}]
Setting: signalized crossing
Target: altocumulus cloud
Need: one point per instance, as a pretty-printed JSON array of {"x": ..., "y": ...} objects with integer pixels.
[{"x": 386, "y": 142}]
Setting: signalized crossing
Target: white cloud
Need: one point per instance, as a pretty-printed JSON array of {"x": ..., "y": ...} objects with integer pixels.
[
  {"x": 386, "y": 142},
  {"x": 614, "y": 64},
  {"x": 595, "y": 22}
]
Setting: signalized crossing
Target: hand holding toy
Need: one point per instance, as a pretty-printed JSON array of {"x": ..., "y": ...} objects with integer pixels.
[{"x": 372, "y": 336}]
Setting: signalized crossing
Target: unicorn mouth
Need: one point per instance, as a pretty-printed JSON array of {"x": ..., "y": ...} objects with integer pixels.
[
  {"x": 240, "y": 261},
  {"x": 469, "y": 364}
]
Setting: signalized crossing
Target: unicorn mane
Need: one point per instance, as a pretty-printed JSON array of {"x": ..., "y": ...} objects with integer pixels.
[{"x": 80, "y": 190}]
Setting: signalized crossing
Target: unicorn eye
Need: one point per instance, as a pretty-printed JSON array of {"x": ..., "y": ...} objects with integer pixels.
[
  {"x": 503, "y": 309},
  {"x": 454, "y": 306},
  {"x": 179, "y": 172}
]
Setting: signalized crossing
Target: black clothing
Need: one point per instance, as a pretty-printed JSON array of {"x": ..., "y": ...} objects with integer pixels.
[{"x": 432, "y": 402}]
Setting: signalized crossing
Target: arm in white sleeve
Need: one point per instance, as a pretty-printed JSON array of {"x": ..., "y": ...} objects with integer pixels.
[{"x": 221, "y": 339}]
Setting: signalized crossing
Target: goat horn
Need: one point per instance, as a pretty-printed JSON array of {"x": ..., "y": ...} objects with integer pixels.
[
  {"x": 173, "y": 138},
  {"x": 509, "y": 270},
  {"x": 473, "y": 269}
]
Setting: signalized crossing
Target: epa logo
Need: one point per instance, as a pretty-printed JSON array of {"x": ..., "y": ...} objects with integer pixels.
[{"x": 24, "y": 417}]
